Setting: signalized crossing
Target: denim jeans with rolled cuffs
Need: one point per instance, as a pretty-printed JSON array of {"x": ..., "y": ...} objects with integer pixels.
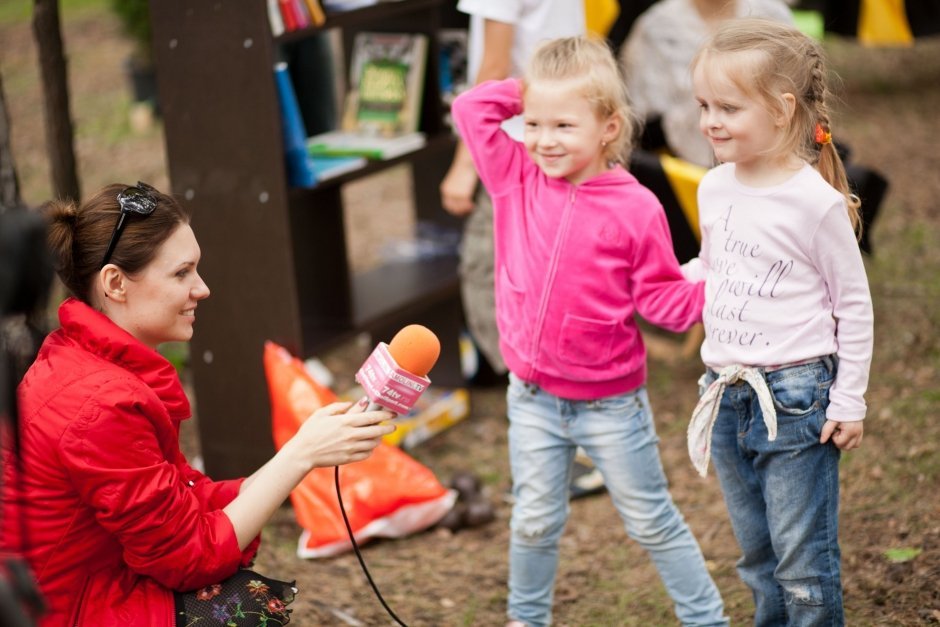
[
  {"x": 783, "y": 495},
  {"x": 618, "y": 435}
]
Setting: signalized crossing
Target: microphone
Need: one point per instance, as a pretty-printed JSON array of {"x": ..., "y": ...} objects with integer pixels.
[{"x": 395, "y": 374}]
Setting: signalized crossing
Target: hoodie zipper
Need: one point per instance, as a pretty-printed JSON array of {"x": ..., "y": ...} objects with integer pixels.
[{"x": 550, "y": 281}]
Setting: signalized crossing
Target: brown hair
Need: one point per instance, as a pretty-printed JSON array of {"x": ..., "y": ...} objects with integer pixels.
[
  {"x": 590, "y": 61},
  {"x": 79, "y": 236},
  {"x": 769, "y": 59}
]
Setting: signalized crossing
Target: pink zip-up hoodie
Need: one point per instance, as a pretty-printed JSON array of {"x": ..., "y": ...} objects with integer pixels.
[{"x": 574, "y": 263}]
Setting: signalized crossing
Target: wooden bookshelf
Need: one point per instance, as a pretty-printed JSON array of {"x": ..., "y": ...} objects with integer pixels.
[{"x": 275, "y": 257}]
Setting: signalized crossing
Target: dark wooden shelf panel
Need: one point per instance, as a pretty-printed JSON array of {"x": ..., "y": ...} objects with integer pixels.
[
  {"x": 399, "y": 290},
  {"x": 277, "y": 255}
]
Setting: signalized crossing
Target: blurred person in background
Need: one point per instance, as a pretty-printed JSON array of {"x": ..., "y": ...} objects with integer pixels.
[{"x": 656, "y": 59}]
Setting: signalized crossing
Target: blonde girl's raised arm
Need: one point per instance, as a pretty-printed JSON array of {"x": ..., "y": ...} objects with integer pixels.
[{"x": 478, "y": 114}]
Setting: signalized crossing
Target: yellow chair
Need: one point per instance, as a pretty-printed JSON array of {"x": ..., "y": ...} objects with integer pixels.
[
  {"x": 600, "y": 15},
  {"x": 884, "y": 23},
  {"x": 675, "y": 183}
]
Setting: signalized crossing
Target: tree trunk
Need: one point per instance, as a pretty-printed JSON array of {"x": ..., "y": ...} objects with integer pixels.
[
  {"x": 9, "y": 183},
  {"x": 59, "y": 132}
]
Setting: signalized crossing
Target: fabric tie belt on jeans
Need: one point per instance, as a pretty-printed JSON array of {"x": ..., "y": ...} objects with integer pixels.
[{"x": 706, "y": 411}]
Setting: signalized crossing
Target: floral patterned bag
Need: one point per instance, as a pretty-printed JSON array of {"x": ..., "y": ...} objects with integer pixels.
[{"x": 246, "y": 599}]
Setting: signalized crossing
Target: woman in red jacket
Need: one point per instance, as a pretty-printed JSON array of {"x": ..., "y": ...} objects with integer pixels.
[{"x": 121, "y": 530}]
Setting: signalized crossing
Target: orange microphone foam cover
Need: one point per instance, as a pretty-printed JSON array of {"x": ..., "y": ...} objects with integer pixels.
[{"x": 415, "y": 348}]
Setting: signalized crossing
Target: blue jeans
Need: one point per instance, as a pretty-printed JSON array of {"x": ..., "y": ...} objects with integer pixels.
[
  {"x": 783, "y": 496},
  {"x": 618, "y": 435}
]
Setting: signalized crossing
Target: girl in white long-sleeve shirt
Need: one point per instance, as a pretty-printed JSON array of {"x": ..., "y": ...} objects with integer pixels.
[{"x": 788, "y": 315}]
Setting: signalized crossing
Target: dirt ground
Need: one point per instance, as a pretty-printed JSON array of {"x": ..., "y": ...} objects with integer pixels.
[{"x": 890, "y": 518}]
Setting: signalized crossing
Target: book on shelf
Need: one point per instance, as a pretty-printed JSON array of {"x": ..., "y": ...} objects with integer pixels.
[
  {"x": 386, "y": 83},
  {"x": 275, "y": 18},
  {"x": 315, "y": 11},
  {"x": 291, "y": 15},
  {"x": 347, "y": 5},
  {"x": 304, "y": 169},
  {"x": 328, "y": 167},
  {"x": 345, "y": 143}
]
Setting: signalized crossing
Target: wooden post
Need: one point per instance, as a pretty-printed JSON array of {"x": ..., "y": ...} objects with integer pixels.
[
  {"x": 9, "y": 183},
  {"x": 59, "y": 133}
]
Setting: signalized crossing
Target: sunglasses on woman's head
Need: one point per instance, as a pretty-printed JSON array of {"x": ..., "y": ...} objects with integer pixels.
[{"x": 140, "y": 199}]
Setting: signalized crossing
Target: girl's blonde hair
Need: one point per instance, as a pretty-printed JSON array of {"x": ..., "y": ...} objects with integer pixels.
[
  {"x": 768, "y": 59},
  {"x": 591, "y": 62}
]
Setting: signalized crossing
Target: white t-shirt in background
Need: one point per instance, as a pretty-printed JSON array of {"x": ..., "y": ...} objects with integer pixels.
[{"x": 534, "y": 21}]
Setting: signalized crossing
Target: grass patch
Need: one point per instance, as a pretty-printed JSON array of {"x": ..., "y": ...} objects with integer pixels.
[
  {"x": 110, "y": 122},
  {"x": 469, "y": 613},
  {"x": 18, "y": 11},
  {"x": 177, "y": 353}
]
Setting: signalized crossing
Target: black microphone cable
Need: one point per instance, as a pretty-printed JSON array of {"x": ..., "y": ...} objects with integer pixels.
[{"x": 355, "y": 546}]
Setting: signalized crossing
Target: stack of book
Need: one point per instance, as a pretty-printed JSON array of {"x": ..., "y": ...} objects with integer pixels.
[
  {"x": 347, "y": 5},
  {"x": 382, "y": 107},
  {"x": 304, "y": 169},
  {"x": 290, "y": 15},
  {"x": 381, "y": 111},
  {"x": 346, "y": 144}
]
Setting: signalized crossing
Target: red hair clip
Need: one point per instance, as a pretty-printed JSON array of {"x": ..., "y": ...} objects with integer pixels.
[{"x": 822, "y": 135}]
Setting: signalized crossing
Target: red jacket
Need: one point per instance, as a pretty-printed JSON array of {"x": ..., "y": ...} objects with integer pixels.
[{"x": 116, "y": 517}]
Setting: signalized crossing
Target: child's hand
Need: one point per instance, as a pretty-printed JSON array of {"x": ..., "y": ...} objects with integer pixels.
[{"x": 845, "y": 435}]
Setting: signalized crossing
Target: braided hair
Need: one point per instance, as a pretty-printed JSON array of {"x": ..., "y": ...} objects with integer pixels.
[{"x": 770, "y": 60}]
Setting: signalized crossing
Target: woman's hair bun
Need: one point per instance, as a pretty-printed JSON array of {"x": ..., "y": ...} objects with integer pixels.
[
  {"x": 61, "y": 211},
  {"x": 62, "y": 217}
]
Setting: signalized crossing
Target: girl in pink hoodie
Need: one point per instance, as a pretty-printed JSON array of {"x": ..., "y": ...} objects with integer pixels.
[{"x": 581, "y": 247}]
